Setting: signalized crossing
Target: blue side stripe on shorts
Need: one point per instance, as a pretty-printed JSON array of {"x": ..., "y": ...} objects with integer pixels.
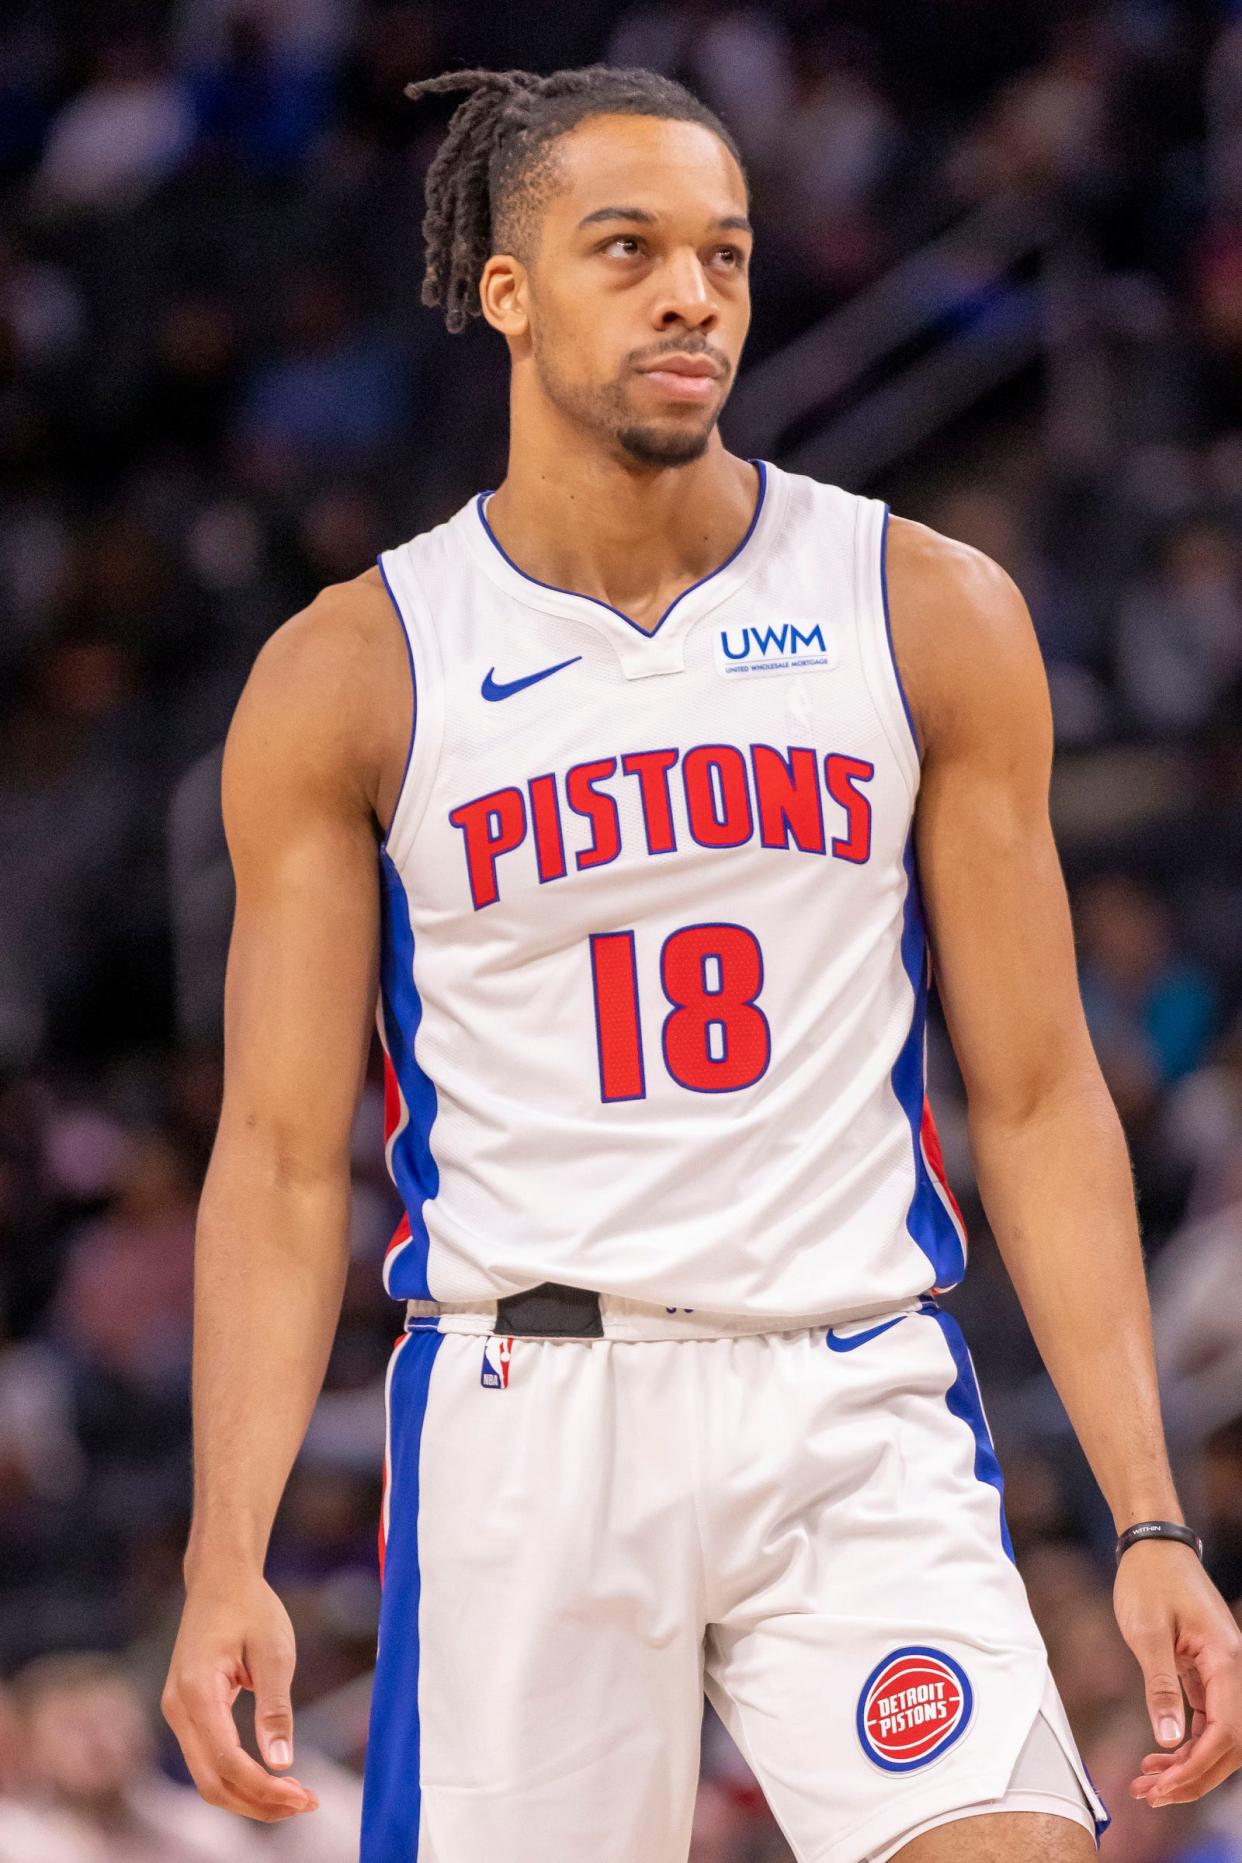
[
  {"x": 928, "y": 1221},
  {"x": 391, "y": 1793},
  {"x": 414, "y": 1168},
  {"x": 964, "y": 1401}
]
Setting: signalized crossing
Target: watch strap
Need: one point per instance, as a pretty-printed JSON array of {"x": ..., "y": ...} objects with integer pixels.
[{"x": 1158, "y": 1530}]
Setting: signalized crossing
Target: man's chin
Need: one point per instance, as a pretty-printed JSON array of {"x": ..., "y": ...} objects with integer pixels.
[{"x": 651, "y": 445}]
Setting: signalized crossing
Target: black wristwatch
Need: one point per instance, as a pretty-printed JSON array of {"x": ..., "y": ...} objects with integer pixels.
[{"x": 1158, "y": 1530}]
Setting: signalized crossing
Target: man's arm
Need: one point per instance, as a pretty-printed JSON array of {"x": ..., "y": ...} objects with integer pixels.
[
  {"x": 1049, "y": 1153},
  {"x": 308, "y": 754}
]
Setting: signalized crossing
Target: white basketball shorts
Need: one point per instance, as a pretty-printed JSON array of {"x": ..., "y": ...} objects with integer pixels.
[{"x": 581, "y": 1536}]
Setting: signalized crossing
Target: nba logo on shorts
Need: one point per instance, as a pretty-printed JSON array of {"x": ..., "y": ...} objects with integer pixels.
[
  {"x": 912, "y": 1708},
  {"x": 496, "y": 1355}
]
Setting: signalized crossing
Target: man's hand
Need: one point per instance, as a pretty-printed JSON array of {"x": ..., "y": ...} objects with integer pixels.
[
  {"x": 235, "y": 1634},
  {"x": 1184, "y": 1636}
]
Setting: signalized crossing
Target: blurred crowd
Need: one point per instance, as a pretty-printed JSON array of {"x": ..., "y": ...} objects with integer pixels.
[{"x": 218, "y": 392}]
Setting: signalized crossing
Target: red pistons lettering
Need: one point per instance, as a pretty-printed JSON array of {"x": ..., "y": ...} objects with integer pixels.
[
  {"x": 493, "y": 825},
  {"x": 721, "y": 797},
  {"x": 651, "y": 767}
]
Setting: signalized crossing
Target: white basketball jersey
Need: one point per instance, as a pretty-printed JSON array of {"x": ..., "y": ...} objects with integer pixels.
[{"x": 654, "y": 975}]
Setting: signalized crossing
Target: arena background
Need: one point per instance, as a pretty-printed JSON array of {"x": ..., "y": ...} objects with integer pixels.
[{"x": 999, "y": 283}]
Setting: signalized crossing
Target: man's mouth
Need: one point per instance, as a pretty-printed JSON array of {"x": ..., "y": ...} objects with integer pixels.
[{"x": 683, "y": 377}]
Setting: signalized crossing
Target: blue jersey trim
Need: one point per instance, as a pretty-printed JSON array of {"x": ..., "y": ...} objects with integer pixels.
[
  {"x": 409, "y": 749},
  {"x": 392, "y": 1785},
  {"x": 761, "y": 469},
  {"x": 888, "y": 630},
  {"x": 964, "y": 1401},
  {"x": 927, "y": 1220},
  {"x": 414, "y": 1169}
]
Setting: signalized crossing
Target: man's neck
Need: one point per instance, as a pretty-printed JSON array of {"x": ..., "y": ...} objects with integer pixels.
[{"x": 635, "y": 537}]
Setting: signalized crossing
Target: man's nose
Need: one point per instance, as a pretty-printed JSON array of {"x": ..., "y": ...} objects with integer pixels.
[{"x": 686, "y": 296}]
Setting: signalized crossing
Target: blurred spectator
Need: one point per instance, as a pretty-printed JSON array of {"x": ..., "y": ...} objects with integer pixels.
[
  {"x": 991, "y": 518},
  {"x": 737, "y": 58},
  {"x": 1198, "y": 1321},
  {"x": 40, "y": 1455},
  {"x": 123, "y": 1307},
  {"x": 1203, "y": 1127},
  {"x": 66, "y": 801},
  {"x": 121, "y": 136},
  {"x": 334, "y": 395},
  {"x": 837, "y": 139},
  {"x": 259, "y": 105},
  {"x": 311, "y": 31},
  {"x": 1179, "y": 633},
  {"x": 1047, "y": 130},
  {"x": 94, "y": 1794},
  {"x": 41, "y": 316},
  {"x": 81, "y": 1784},
  {"x": 1150, "y": 1010}
]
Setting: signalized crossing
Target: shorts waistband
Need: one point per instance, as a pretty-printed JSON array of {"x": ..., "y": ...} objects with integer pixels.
[{"x": 555, "y": 1311}]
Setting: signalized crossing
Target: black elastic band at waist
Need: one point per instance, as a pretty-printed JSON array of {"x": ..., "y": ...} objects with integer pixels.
[{"x": 551, "y": 1311}]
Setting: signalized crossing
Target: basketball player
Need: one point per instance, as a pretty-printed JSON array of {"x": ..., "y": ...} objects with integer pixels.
[{"x": 677, "y": 765}]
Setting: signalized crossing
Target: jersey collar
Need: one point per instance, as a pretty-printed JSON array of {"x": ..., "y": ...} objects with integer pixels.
[{"x": 641, "y": 651}]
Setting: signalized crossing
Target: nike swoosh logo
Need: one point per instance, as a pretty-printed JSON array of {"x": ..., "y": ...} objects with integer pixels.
[
  {"x": 492, "y": 688},
  {"x": 837, "y": 1344}
]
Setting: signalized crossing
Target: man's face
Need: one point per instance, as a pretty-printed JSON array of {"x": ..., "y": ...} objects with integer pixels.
[{"x": 639, "y": 299}]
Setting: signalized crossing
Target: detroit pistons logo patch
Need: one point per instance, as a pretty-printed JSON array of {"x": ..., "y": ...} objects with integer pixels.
[{"x": 912, "y": 1708}]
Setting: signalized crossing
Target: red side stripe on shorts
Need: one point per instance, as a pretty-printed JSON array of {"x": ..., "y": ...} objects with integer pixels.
[{"x": 935, "y": 1158}]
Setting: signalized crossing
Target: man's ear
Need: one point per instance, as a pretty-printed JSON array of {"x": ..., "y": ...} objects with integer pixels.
[{"x": 503, "y": 295}]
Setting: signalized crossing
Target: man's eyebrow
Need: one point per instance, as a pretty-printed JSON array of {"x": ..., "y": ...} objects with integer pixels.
[
  {"x": 618, "y": 213},
  {"x": 735, "y": 222}
]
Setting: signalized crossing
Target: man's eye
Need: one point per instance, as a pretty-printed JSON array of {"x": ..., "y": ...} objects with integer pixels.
[
  {"x": 732, "y": 255},
  {"x": 627, "y": 240}
]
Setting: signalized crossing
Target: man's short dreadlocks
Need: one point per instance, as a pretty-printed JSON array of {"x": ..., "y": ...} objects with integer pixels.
[{"x": 492, "y": 169}]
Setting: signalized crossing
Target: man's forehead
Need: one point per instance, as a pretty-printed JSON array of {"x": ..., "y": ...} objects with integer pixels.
[{"x": 659, "y": 165}]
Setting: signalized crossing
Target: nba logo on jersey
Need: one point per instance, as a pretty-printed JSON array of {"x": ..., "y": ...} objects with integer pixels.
[
  {"x": 496, "y": 1355},
  {"x": 912, "y": 1708}
]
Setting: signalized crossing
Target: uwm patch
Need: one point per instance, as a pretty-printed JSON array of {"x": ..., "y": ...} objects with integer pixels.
[
  {"x": 497, "y": 1354},
  {"x": 782, "y": 647},
  {"x": 912, "y": 1708}
]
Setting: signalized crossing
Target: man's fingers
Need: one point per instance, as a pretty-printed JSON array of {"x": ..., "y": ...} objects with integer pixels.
[
  {"x": 1146, "y": 1781},
  {"x": 248, "y": 1781},
  {"x": 1198, "y": 1788},
  {"x": 271, "y": 1667},
  {"x": 1161, "y": 1684},
  {"x": 1218, "y": 1685},
  {"x": 237, "y": 1783},
  {"x": 1201, "y": 1756},
  {"x": 223, "y": 1772}
]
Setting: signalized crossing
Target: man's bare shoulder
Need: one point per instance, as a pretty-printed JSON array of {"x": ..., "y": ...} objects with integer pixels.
[
  {"x": 962, "y": 634},
  {"x": 328, "y": 698},
  {"x": 336, "y": 638}
]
